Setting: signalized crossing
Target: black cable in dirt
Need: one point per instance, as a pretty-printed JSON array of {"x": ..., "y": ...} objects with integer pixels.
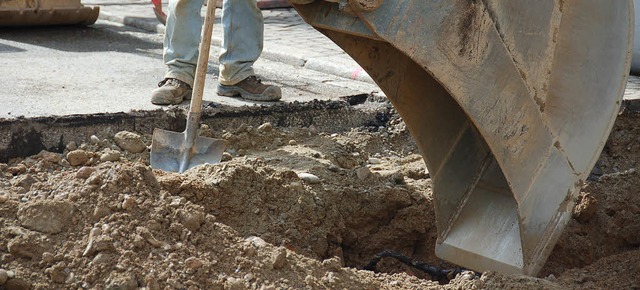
[{"x": 436, "y": 273}]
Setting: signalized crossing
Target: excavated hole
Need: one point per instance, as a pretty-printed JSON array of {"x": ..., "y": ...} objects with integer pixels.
[{"x": 374, "y": 195}]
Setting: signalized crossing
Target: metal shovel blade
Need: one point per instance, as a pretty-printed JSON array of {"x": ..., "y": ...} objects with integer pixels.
[
  {"x": 170, "y": 151},
  {"x": 178, "y": 152}
]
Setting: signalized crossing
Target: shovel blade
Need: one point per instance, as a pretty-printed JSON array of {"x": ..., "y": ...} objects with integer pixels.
[{"x": 168, "y": 149}]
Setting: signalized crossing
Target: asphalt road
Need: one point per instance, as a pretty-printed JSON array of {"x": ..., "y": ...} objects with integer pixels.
[{"x": 112, "y": 68}]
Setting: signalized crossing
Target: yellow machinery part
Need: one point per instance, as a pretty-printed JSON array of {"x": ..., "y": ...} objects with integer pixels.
[{"x": 46, "y": 12}]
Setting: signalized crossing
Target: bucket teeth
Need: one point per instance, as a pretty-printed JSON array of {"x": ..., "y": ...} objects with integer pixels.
[{"x": 510, "y": 102}]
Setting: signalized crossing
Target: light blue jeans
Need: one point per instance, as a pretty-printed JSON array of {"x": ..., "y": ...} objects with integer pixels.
[{"x": 243, "y": 28}]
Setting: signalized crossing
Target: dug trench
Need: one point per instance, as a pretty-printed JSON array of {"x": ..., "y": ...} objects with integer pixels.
[{"x": 306, "y": 196}]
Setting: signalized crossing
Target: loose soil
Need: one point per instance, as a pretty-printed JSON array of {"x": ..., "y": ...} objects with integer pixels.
[{"x": 256, "y": 221}]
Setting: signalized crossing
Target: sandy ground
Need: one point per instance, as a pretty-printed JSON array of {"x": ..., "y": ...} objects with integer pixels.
[{"x": 287, "y": 208}]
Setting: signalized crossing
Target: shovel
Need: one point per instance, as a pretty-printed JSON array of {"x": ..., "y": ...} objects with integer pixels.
[{"x": 178, "y": 152}]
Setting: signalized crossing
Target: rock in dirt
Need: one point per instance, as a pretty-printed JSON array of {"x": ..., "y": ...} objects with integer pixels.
[
  {"x": 84, "y": 172},
  {"x": 94, "y": 179},
  {"x": 192, "y": 220},
  {"x": 313, "y": 130},
  {"x": 235, "y": 284},
  {"x": 94, "y": 139},
  {"x": 100, "y": 212},
  {"x": 27, "y": 247},
  {"x": 57, "y": 273},
  {"x": 309, "y": 178},
  {"x": 193, "y": 263},
  {"x": 48, "y": 257},
  {"x": 24, "y": 181},
  {"x": 347, "y": 160},
  {"x": 128, "y": 202},
  {"x": 4, "y": 276},
  {"x": 363, "y": 172},
  {"x": 152, "y": 282},
  {"x": 374, "y": 161},
  {"x": 47, "y": 216},
  {"x": 296, "y": 185},
  {"x": 279, "y": 258},
  {"x": 103, "y": 243},
  {"x": 90, "y": 245},
  {"x": 50, "y": 156},
  {"x": 78, "y": 157},
  {"x": 586, "y": 208},
  {"x": 226, "y": 156},
  {"x": 148, "y": 236},
  {"x": 130, "y": 142},
  {"x": 18, "y": 169},
  {"x": 101, "y": 258},
  {"x": 64, "y": 163},
  {"x": 122, "y": 283},
  {"x": 256, "y": 242},
  {"x": 3, "y": 197},
  {"x": 266, "y": 127},
  {"x": 110, "y": 155},
  {"x": 334, "y": 264},
  {"x": 333, "y": 168},
  {"x": 17, "y": 284},
  {"x": 72, "y": 146}
]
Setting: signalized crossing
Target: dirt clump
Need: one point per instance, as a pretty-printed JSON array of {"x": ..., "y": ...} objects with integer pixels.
[{"x": 288, "y": 208}]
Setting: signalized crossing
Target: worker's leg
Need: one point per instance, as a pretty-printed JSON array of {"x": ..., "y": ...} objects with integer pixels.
[
  {"x": 180, "y": 54},
  {"x": 182, "y": 38},
  {"x": 243, "y": 28},
  {"x": 242, "y": 41}
]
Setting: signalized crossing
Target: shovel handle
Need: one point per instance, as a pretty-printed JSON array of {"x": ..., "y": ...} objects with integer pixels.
[{"x": 203, "y": 59}]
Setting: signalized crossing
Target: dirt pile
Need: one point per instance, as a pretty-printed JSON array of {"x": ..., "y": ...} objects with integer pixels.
[{"x": 289, "y": 207}]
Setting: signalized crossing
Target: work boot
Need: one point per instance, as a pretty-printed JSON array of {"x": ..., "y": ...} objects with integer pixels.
[
  {"x": 171, "y": 92},
  {"x": 251, "y": 88}
]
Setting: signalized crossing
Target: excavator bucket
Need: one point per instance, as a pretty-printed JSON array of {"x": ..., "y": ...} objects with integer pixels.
[
  {"x": 509, "y": 101},
  {"x": 49, "y": 12},
  {"x": 635, "y": 63}
]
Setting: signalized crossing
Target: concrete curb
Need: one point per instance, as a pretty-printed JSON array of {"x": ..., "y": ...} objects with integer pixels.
[{"x": 323, "y": 65}]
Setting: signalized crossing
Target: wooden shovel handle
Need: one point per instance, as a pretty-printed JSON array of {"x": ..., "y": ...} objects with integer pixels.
[{"x": 203, "y": 59}]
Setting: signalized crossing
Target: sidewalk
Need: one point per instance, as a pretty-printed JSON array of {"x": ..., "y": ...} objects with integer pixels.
[
  {"x": 113, "y": 66},
  {"x": 288, "y": 39}
]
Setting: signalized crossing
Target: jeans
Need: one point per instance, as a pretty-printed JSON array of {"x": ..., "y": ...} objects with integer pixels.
[{"x": 243, "y": 29}]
